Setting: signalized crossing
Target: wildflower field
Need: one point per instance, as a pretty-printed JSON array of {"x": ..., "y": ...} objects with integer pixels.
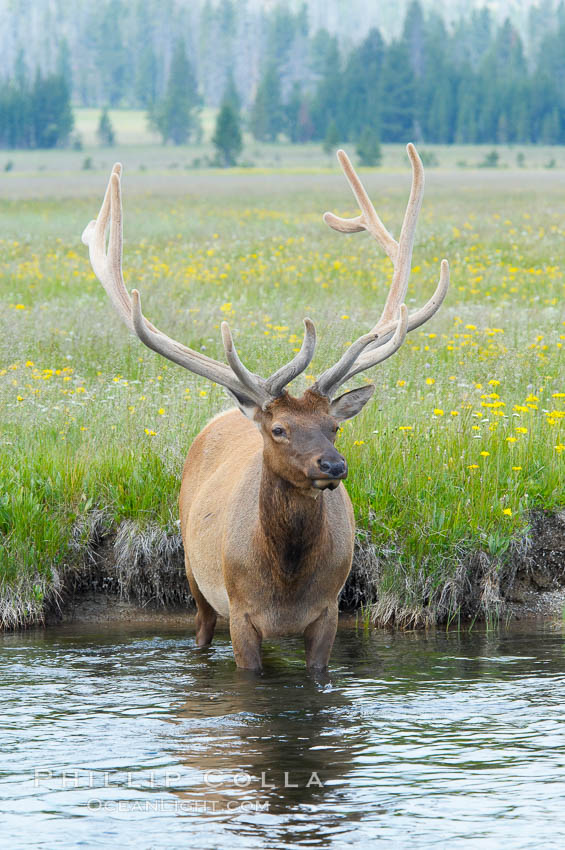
[{"x": 465, "y": 435}]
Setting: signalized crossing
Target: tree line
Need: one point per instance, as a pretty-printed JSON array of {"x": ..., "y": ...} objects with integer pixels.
[
  {"x": 471, "y": 85},
  {"x": 471, "y": 82}
]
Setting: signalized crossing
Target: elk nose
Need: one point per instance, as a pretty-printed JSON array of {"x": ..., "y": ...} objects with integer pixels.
[{"x": 332, "y": 468}]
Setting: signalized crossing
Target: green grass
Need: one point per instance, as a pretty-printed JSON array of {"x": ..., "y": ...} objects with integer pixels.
[{"x": 458, "y": 445}]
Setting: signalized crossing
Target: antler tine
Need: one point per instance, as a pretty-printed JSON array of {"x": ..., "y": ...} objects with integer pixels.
[
  {"x": 275, "y": 384},
  {"x": 356, "y": 359},
  {"x": 335, "y": 375},
  {"x": 287, "y": 373},
  {"x": 418, "y": 317},
  {"x": 369, "y": 219},
  {"x": 403, "y": 261},
  {"x": 387, "y": 335},
  {"x": 116, "y": 287},
  {"x": 369, "y": 359},
  {"x": 94, "y": 235},
  {"x": 252, "y": 382},
  {"x": 108, "y": 266}
]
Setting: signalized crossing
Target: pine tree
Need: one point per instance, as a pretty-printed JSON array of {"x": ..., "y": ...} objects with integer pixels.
[
  {"x": 368, "y": 148},
  {"x": 114, "y": 65},
  {"x": 436, "y": 101},
  {"x": 173, "y": 116},
  {"x": 326, "y": 101},
  {"x": 267, "y": 117},
  {"x": 397, "y": 95},
  {"x": 51, "y": 110},
  {"x": 359, "y": 88},
  {"x": 146, "y": 78},
  {"x": 16, "y": 111},
  {"x": 441, "y": 114},
  {"x": 231, "y": 94},
  {"x": 331, "y": 139},
  {"x": 16, "y": 116},
  {"x": 105, "y": 131},
  {"x": 21, "y": 76},
  {"x": 64, "y": 68},
  {"x": 227, "y": 136},
  {"x": 413, "y": 36},
  {"x": 550, "y": 128}
]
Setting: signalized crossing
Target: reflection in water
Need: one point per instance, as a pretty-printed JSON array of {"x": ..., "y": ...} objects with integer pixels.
[
  {"x": 283, "y": 741},
  {"x": 418, "y": 738}
]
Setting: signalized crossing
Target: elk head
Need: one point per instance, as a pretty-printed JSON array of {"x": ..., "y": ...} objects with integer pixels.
[{"x": 298, "y": 433}]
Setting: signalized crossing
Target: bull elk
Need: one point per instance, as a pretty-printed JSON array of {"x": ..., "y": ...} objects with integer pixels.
[{"x": 267, "y": 525}]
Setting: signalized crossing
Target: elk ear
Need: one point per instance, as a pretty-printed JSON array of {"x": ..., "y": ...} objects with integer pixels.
[
  {"x": 349, "y": 404},
  {"x": 247, "y": 406}
]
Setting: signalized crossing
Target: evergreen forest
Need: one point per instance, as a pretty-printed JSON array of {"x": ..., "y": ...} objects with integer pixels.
[{"x": 473, "y": 80}]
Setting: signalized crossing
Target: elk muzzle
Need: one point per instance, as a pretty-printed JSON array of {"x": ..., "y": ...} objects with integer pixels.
[{"x": 332, "y": 469}]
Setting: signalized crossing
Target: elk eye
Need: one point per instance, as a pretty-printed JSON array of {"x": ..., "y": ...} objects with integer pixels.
[{"x": 278, "y": 431}]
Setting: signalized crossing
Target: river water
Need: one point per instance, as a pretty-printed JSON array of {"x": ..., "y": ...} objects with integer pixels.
[{"x": 131, "y": 737}]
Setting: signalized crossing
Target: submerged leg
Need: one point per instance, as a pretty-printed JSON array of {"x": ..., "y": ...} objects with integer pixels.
[
  {"x": 246, "y": 641},
  {"x": 319, "y": 638},
  {"x": 205, "y": 615}
]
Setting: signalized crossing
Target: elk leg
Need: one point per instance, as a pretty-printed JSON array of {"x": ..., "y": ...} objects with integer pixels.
[
  {"x": 205, "y": 615},
  {"x": 319, "y": 638},
  {"x": 246, "y": 641}
]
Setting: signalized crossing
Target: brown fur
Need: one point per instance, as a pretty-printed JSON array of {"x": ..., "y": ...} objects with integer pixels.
[{"x": 263, "y": 546}]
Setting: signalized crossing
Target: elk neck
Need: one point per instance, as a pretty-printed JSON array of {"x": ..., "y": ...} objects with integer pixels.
[{"x": 292, "y": 522}]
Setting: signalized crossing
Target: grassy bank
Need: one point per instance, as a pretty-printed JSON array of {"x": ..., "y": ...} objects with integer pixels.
[{"x": 465, "y": 435}]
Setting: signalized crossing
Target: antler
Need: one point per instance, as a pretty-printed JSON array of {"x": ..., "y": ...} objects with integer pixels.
[
  {"x": 389, "y": 333},
  {"x": 235, "y": 377}
]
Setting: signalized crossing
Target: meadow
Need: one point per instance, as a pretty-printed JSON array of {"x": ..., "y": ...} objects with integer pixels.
[{"x": 465, "y": 436}]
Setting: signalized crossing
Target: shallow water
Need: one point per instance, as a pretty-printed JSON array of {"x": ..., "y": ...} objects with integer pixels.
[{"x": 125, "y": 738}]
